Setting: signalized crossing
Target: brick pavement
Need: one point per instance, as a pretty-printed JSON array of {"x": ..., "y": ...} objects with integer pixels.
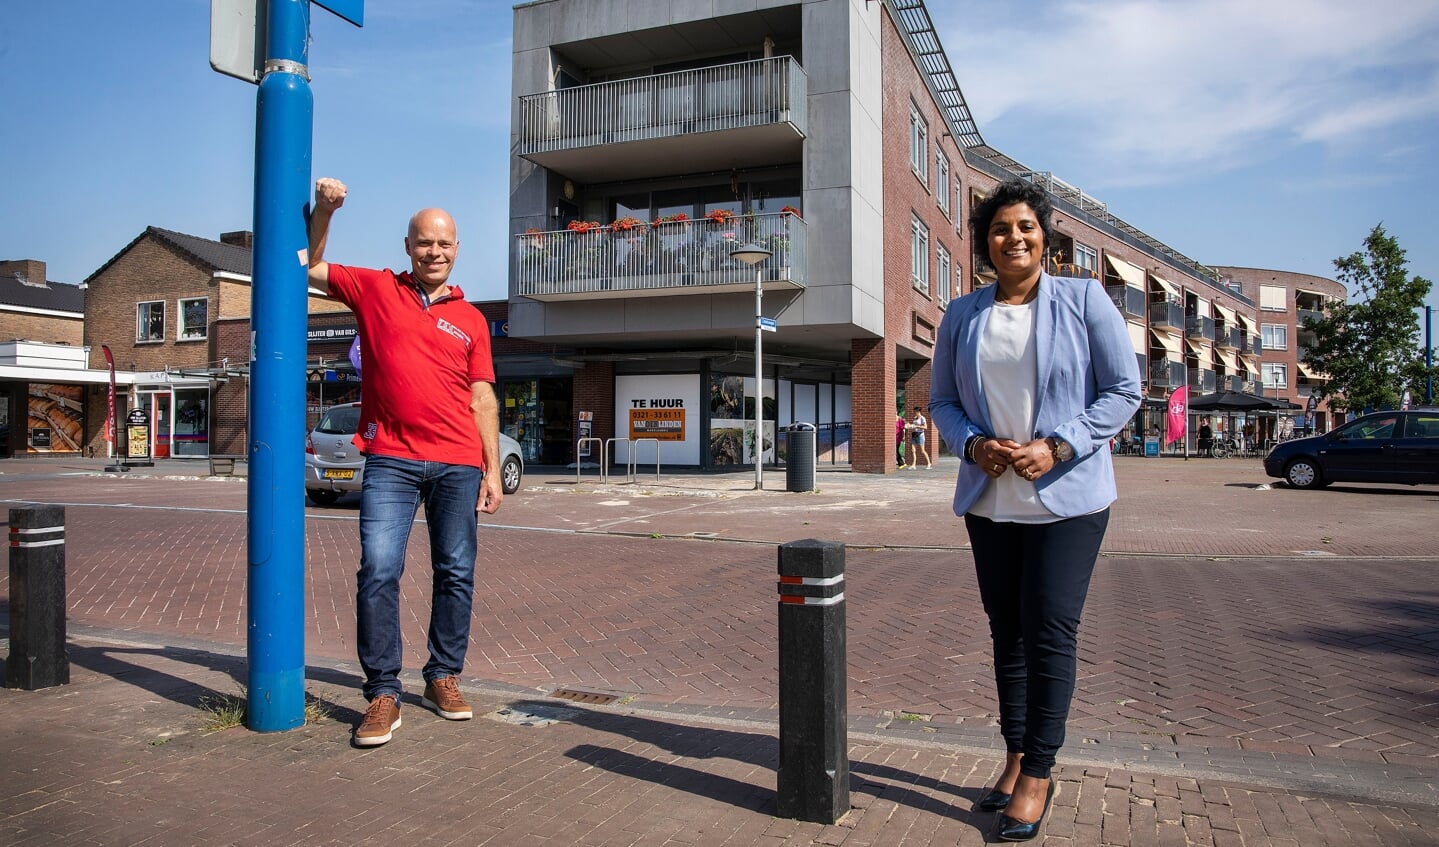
[{"x": 1301, "y": 672}]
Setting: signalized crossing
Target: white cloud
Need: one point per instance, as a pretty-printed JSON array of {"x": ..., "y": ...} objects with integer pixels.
[{"x": 1171, "y": 87}]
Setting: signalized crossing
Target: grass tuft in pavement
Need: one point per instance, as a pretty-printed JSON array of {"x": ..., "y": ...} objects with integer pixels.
[{"x": 227, "y": 711}]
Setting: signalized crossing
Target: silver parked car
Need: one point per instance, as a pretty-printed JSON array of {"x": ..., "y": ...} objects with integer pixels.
[{"x": 334, "y": 465}]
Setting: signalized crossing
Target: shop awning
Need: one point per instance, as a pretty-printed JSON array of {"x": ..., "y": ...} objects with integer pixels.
[
  {"x": 1231, "y": 361},
  {"x": 1169, "y": 287},
  {"x": 1131, "y": 274},
  {"x": 1137, "y": 337},
  {"x": 1171, "y": 343}
]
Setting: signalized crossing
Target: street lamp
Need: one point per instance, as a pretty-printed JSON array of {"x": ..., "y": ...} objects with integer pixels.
[{"x": 752, "y": 254}]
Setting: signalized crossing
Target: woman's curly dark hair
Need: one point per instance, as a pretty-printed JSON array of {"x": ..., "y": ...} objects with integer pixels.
[{"x": 1008, "y": 194}]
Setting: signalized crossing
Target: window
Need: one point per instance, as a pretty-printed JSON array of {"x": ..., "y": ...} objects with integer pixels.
[
  {"x": 150, "y": 321},
  {"x": 1370, "y": 429},
  {"x": 1423, "y": 426},
  {"x": 941, "y": 181},
  {"x": 918, "y": 144},
  {"x": 919, "y": 255},
  {"x": 1087, "y": 257},
  {"x": 1272, "y": 299},
  {"x": 942, "y": 276},
  {"x": 1275, "y": 374},
  {"x": 194, "y": 318},
  {"x": 1274, "y": 336}
]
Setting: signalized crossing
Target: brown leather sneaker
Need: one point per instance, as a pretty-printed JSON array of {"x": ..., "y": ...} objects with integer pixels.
[
  {"x": 443, "y": 695},
  {"x": 381, "y": 720}
]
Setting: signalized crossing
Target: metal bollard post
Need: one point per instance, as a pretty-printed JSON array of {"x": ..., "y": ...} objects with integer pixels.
[
  {"x": 37, "y": 598},
  {"x": 813, "y": 731}
]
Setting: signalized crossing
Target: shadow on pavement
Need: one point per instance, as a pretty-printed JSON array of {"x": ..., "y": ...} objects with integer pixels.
[
  {"x": 108, "y": 660},
  {"x": 756, "y": 750},
  {"x": 1403, "y": 631}
]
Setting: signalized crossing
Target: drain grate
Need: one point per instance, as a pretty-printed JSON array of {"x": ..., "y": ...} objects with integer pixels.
[{"x": 591, "y": 697}]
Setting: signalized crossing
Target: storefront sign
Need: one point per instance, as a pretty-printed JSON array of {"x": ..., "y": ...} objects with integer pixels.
[
  {"x": 40, "y": 437},
  {"x": 334, "y": 333},
  {"x": 665, "y": 407},
  {"x": 663, "y": 424},
  {"x": 137, "y": 434}
]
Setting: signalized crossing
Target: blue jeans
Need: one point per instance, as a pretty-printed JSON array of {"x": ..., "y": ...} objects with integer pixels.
[
  {"x": 390, "y": 493},
  {"x": 1033, "y": 580}
]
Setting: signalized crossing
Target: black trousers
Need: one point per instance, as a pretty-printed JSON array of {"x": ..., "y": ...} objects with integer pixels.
[{"x": 1033, "y": 580}]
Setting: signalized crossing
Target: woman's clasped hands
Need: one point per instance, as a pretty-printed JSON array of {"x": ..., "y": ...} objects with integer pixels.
[{"x": 1031, "y": 461}]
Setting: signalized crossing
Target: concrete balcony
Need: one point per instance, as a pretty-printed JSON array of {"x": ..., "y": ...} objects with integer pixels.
[
  {"x": 739, "y": 115},
  {"x": 662, "y": 259}
]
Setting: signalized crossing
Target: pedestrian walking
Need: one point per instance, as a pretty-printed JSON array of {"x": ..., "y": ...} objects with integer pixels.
[
  {"x": 1032, "y": 376},
  {"x": 429, "y": 427},
  {"x": 899, "y": 429},
  {"x": 918, "y": 426}
]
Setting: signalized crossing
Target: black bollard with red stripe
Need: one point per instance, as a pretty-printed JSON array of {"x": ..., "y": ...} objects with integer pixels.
[
  {"x": 37, "y": 598},
  {"x": 813, "y": 729}
]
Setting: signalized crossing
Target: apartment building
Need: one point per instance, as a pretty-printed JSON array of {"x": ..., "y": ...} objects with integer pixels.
[
  {"x": 1286, "y": 301},
  {"x": 650, "y": 139}
]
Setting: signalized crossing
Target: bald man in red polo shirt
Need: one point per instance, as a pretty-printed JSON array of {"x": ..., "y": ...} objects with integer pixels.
[{"x": 430, "y": 429}]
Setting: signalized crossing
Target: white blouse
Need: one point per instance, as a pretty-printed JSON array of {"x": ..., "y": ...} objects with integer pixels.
[{"x": 1009, "y": 380}]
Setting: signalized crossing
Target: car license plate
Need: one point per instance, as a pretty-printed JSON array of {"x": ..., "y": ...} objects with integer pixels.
[{"x": 339, "y": 473}]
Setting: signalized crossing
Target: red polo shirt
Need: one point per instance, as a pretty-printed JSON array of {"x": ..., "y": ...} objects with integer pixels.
[{"x": 418, "y": 364}]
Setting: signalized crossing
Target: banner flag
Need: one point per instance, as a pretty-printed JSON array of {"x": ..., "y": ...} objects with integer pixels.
[
  {"x": 1178, "y": 414},
  {"x": 110, "y": 434}
]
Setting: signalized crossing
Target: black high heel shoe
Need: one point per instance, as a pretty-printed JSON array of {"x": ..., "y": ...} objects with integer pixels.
[
  {"x": 1013, "y": 830},
  {"x": 993, "y": 801}
]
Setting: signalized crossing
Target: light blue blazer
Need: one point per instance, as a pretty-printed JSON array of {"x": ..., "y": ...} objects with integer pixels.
[{"x": 1088, "y": 389}]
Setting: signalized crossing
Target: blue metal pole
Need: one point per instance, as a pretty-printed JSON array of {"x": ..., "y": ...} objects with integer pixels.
[
  {"x": 276, "y": 537},
  {"x": 1429, "y": 355}
]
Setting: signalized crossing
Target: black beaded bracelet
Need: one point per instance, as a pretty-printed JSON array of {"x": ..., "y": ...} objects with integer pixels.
[{"x": 970, "y": 445}]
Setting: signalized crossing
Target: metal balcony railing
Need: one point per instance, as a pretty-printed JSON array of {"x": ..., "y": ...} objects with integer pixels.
[
  {"x": 1165, "y": 373},
  {"x": 1128, "y": 299},
  {"x": 1199, "y": 328},
  {"x": 734, "y": 96},
  {"x": 674, "y": 257},
  {"x": 1302, "y": 315},
  {"x": 1165, "y": 315},
  {"x": 1233, "y": 382},
  {"x": 1228, "y": 337},
  {"x": 1201, "y": 381}
]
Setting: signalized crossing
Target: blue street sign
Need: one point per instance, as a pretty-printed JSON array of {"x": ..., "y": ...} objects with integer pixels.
[
  {"x": 768, "y": 324},
  {"x": 351, "y": 10}
]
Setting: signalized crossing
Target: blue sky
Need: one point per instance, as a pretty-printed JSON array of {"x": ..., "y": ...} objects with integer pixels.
[{"x": 1271, "y": 135}]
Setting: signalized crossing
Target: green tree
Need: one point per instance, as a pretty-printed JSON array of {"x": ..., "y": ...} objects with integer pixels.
[{"x": 1369, "y": 347}]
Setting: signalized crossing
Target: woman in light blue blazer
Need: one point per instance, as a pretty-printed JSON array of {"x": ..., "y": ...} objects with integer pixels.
[{"x": 1032, "y": 376}]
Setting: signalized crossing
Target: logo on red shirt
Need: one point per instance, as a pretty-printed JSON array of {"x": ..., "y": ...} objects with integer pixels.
[{"x": 447, "y": 327}]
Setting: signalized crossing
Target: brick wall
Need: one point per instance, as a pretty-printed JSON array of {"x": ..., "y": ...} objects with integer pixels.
[
  {"x": 46, "y": 328},
  {"x": 149, "y": 270},
  {"x": 594, "y": 391},
  {"x": 872, "y": 364}
]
